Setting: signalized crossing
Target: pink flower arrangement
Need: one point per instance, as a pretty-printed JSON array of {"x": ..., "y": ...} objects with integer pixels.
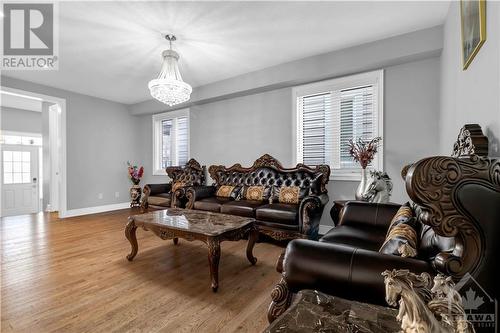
[
  {"x": 135, "y": 173},
  {"x": 363, "y": 151}
]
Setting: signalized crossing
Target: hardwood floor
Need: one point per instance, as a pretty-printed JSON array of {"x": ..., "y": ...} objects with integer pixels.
[{"x": 71, "y": 275}]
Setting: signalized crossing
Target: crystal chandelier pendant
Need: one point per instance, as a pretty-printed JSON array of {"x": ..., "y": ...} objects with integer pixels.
[{"x": 169, "y": 88}]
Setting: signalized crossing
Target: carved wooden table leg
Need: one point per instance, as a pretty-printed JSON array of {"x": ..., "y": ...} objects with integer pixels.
[
  {"x": 213, "y": 259},
  {"x": 176, "y": 240},
  {"x": 253, "y": 235},
  {"x": 130, "y": 234}
]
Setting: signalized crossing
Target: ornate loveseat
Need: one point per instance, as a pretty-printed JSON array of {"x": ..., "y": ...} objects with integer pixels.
[
  {"x": 276, "y": 219},
  {"x": 173, "y": 194},
  {"x": 457, "y": 206}
]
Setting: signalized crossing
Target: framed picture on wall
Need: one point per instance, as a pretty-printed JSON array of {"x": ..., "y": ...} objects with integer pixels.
[{"x": 473, "y": 22}]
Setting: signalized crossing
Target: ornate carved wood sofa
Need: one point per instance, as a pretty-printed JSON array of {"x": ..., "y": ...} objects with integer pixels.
[
  {"x": 458, "y": 208},
  {"x": 276, "y": 219},
  {"x": 173, "y": 194}
]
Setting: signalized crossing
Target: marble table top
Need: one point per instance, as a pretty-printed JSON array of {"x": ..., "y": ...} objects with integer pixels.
[
  {"x": 196, "y": 221},
  {"x": 313, "y": 311}
]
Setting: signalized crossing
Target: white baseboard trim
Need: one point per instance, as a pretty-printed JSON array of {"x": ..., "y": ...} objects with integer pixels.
[
  {"x": 95, "y": 210},
  {"x": 323, "y": 229}
]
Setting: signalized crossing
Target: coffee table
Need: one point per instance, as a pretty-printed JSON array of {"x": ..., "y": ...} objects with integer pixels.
[
  {"x": 313, "y": 311},
  {"x": 210, "y": 228}
]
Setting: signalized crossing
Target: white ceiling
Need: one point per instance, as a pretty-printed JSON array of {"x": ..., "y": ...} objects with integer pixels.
[
  {"x": 20, "y": 102},
  {"x": 112, "y": 49}
]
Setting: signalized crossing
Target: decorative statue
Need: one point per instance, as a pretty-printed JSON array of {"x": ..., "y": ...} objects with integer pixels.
[
  {"x": 447, "y": 304},
  {"x": 378, "y": 188},
  {"x": 423, "y": 307},
  {"x": 363, "y": 152}
]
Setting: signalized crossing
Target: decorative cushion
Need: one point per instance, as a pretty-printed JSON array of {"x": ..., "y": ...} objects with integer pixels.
[
  {"x": 288, "y": 194},
  {"x": 177, "y": 185},
  {"x": 228, "y": 191},
  {"x": 401, "y": 238},
  {"x": 256, "y": 193}
]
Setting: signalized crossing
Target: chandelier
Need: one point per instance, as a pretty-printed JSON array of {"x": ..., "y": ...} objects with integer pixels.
[{"x": 169, "y": 88}]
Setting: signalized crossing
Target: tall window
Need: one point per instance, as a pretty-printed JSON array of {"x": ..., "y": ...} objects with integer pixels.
[
  {"x": 332, "y": 112},
  {"x": 170, "y": 140}
]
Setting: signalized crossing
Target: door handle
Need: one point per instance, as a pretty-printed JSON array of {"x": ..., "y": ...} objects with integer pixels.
[{"x": 34, "y": 180}]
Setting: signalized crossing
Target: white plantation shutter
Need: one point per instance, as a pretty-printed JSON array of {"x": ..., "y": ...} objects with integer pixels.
[
  {"x": 329, "y": 115},
  {"x": 182, "y": 140},
  {"x": 314, "y": 111},
  {"x": 358, "y": 119},
  {"x": 167, "y": 127}
]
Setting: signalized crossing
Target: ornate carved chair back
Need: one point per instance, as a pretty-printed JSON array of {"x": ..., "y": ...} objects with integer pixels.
[
  {"x": 458, "y": 201},
  {"x": 459, "y": 198},
  {"x": 192, "y": 173},
  {"x": 470, "y": 141}
]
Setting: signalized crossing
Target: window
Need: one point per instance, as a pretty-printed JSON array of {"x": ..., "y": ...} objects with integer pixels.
[
  {"x": 330, "y": 113},
  {"x": 170, "y": 140},
  {"x": 25, "y": 140},
  {"x": 16, "y": 167}
]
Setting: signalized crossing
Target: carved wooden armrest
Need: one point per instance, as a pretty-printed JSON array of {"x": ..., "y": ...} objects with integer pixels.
[
  {"x": 178, "y": 195},
  {"x": 310, "y": 210}
]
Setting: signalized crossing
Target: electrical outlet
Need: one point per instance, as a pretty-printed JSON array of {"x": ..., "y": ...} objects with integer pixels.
[
  {"x": 117, "y": 194},
  {"x": 99, "y": 196}
]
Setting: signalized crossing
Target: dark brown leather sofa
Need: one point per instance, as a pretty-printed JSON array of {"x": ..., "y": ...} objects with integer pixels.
[
  {"x": 161, "y": 195},
  {"x": 277, "y": 220},
  {"x": 458, "y": 205}
]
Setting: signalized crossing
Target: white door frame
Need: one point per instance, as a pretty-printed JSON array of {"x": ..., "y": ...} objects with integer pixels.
[{"x": 63, "y": 204}]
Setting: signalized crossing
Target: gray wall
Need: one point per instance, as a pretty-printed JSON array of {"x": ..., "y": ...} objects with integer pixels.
[
  {"x": 101, "y": 137},
  {"x": 21, "y": 120},
  {"x": 239, "y": 130},
  {"x": 473, "y": 95}
]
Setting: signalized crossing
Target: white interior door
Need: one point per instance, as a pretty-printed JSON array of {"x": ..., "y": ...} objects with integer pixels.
[{"x": 20, "y": 193}]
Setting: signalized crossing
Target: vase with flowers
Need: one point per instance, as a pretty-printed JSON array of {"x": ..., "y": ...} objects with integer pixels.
[
  {"x": 363, "y": 152},
  {"x": 135, "y": 174}
]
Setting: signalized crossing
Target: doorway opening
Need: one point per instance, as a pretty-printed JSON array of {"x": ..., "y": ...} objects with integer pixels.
[{"x": 33, "y": 153}]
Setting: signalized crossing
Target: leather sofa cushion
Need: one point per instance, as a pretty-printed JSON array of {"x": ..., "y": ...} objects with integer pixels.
[
  {"x": 155, "y": 189},
  {"x": 212, "y": 204},
  {"x": 279, "y": 213},
  {"x": 368, "y": 237},
  {"x": 161, "y": 199},
  {"x": 241, "y": 207}
]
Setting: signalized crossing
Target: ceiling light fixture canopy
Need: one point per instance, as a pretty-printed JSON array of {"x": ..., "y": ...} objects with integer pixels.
[{"x": 169, "y": 88}]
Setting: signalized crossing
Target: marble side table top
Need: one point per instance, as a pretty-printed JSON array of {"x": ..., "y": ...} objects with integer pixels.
[{"x": 313, "y": 311}]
